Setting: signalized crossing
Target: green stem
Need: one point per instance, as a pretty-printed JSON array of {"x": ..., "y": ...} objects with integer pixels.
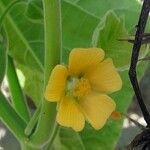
[
  {"x": 18, "y": 99},
  {"x": 52, "y": 138},
  {"x": 52, "y": 28},
  {"x": 11, "y": 118},
  {"x": 32, "y": 123},
  {"x": 53, "y": 39}
]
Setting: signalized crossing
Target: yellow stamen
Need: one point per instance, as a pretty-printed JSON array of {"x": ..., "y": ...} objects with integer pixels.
[{"x": 81, "y": 88}]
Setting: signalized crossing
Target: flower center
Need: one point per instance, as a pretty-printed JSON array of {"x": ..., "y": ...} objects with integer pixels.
[
  {"x": 78, "y": 87},
  {"x": 81, "y": 88}
]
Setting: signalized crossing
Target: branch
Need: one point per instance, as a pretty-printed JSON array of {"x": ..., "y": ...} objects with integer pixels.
[{"x": 134, "y": 59}]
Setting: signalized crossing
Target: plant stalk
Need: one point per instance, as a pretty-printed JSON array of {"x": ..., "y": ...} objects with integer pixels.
[
  {"x": 53, "y": 46},
  {"x": 11, "y": 119},
  {"x": 18, "y": 99}
]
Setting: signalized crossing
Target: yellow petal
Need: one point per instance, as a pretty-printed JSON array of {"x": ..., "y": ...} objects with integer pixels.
[
  {"x": 56, "y": 84},
  {"x": 97, "y": 108},
  {"x": 105, "y": 78},
  {"x": 69, "y": 114},
  {"x": 81, "y": 59}
]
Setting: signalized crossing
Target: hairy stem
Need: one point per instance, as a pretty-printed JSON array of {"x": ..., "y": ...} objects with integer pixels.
[{"x": 52, "y": 26}]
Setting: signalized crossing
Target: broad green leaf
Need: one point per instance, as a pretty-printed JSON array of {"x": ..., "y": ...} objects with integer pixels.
[
  {"x": 3, "y": 51},
  {"x": 128, "y": 9},
  {"x": 25, "y": 37},
  {"x": 25, "y": 44},
  {"x": 78, "y": 31},
  {"x": 107, "y": 35},
  {"x": 34, "y": 11},
  {"x": 73, "y": 1},
  {"x": 105, "y": 138}
]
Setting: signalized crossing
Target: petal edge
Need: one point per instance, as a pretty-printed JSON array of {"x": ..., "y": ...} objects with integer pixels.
[
  {"x": 81, "y": 59},
  {"x": 105, "y": 77},
  {"x": 56, "y": 84},
  {"x": 69, "y": 114},
  {"x": 97, "y": 108}
]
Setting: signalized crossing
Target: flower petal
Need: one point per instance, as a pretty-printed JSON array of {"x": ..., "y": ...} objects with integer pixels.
[
  {"x": 56, "y": 83},
  {"x": 97, "y": 108},
  {"x": 105, "y": 78},
  {"x": 69, "y": 114},
  {"x": 81, "y": 59}
]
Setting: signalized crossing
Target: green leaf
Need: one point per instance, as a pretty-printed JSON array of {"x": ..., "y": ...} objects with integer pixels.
[
  {"x": 78, "y": 31},
  {"x": 3, "y": 51},
  {"x": 88, "y": 30},
  {"x": 25, "y": 47},
  {"x": 34, "y": 11},
  {"x": 107, "y": 35},
  {"x": 25, "y": 44},
  {"x": 127, "y": 9}
]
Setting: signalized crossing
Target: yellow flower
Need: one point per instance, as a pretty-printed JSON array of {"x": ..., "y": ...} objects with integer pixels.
[{"x": 80, "y": 89}]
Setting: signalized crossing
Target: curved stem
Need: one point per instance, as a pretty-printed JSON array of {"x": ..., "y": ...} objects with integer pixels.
[
  {"x": 11, "y": 118},
  {"x": 32, "y": 123},
  {"x": 18, "y": 99},
  {"x": 52, "y": 22},
  {"x": 52, "y": 138}
]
